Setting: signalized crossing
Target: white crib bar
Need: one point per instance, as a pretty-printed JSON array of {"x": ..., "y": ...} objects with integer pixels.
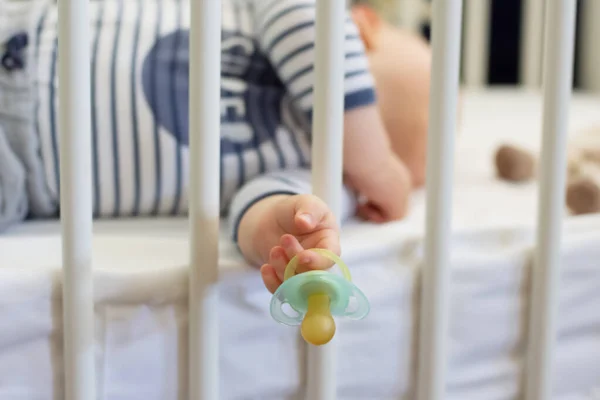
[
  {"x": 532, "y": 45},
  {"x": 560, "y": 31},
  {"x": 76, "y": 198},
  {"x": 204, "y": 194},
  {"x": 477, "y": 37},
  {"x": 446, "y": 39},
  {"x": 327, "y": 154},
  {"x": 589, "y": 67}
]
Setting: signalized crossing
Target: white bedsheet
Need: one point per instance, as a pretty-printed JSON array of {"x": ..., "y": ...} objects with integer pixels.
[{"x": 141, "y": 295}]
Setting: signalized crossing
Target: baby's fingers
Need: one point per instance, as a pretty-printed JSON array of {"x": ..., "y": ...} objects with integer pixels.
[
  {"x": 313, "y": 260},
  {"x": 278, "y": 260},
  {"x": 270, "y": 278},
  {"x": 291, "y": 246},
  {"x": 309, "y": 213},
  {"x": 371, "y": 212},
  {"x": 307, "y": 259}
]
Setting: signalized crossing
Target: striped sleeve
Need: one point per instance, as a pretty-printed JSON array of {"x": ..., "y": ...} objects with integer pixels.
[
  {"x": 286, "y": 34},
  {"x": 286, "y": 182}
]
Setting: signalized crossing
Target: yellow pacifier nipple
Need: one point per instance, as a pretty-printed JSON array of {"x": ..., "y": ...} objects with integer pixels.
[{"x": 318, "y": 326}]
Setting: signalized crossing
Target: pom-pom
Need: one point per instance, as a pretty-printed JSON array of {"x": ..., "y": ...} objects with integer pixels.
[
  {"x": 583, "y": 196},
  {"x": 514, "y": 164}
]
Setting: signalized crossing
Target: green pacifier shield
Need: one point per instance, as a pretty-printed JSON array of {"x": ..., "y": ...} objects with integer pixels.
[{"x": 345, "y": 299}]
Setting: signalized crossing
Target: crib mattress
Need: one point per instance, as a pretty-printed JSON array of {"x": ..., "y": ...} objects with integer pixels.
[{"x": 141, "y": 295}]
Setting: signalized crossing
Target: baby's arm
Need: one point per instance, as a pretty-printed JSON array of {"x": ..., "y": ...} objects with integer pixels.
[
  {"x": 286, "y": 34},
  {"x": 373, "y": 169},
  {"x": 274, "y": 218}
]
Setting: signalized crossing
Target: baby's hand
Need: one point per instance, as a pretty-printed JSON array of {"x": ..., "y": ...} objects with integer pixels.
[
  {"x": 302, "y": 222},
  {"x": 385, "y": 186}
]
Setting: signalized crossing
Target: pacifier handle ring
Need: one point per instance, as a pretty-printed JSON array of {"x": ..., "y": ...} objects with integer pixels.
[{"x": 290, "y": 269}]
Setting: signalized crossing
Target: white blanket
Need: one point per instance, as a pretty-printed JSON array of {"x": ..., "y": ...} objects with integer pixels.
[{"x": 141, "y": 295}]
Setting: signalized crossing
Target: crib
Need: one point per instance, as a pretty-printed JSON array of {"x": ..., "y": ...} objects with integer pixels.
[{"x": 465, "y": 304}]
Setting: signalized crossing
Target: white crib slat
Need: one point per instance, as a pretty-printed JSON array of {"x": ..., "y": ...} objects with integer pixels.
[
  {"x": 327, "y": 146},
  {"x": 477, "y": 36},
  {"x": 558, "y": 63},
  {"x": 446, "y": 39},
  {"x": 204, "y": 118},
  {"x": 589, "y": 67},
  {"x": 76, "y": 198},
  {"x": 532, "y": 43}
]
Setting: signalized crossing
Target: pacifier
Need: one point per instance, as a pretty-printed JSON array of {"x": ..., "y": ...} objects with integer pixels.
[{"x": 315, "y": 297}]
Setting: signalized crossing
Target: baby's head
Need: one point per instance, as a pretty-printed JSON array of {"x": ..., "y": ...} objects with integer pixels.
[{"x": 400, "y": 63}]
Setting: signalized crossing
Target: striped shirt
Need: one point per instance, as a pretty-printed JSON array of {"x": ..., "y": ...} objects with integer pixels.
[{"x": 140, "y": 74}]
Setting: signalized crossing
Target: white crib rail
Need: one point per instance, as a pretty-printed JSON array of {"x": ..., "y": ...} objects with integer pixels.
[
  {"x": 327, "y": 151},
  {"x": 532, "y": 44},
  {"x": 204, "y": 193},
  {"x": 589, "y": 66},
  {"x": 446, "y": 34},
  {"x": 558, "y": 78},
  {"x": 476, "y": 40},
  {"x": 76, "y": 198}
]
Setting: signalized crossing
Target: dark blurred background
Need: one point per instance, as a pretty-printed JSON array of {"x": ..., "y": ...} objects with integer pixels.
[{"x": 505, "y": 36}]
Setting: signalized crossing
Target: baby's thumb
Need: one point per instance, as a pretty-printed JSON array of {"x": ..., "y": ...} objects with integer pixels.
[{"x": 310, "y": 213}]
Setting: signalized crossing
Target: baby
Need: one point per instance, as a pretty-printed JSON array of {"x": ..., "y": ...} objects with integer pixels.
[
  {"x": 384, "y": 142},
  {"x": 140, "y": 116}
]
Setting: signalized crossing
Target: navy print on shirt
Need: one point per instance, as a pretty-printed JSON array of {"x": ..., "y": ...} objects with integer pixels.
[{"x": 251, "y": 94}]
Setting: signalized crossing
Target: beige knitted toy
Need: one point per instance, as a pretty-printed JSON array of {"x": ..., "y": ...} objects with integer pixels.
[{"x": 516, "y": 164}]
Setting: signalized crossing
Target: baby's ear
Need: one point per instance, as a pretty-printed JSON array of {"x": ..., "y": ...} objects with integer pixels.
[{"x": 368, "y": 23}]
